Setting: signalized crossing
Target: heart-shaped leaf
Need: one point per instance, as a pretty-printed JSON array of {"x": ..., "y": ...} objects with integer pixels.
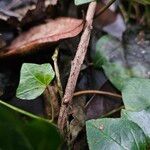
[
  {"x": 34, "y": 79},
  {"x": 136, "y": 94},
  {"x": 115, "y": 134},
  {"x": 121, "y": 63},
  {"x": 109, "y": 55}
]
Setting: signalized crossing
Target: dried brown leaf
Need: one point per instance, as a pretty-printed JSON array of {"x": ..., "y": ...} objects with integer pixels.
[
  {"x": 48, "y": 33},
  {"x": 27, "y": 12}
]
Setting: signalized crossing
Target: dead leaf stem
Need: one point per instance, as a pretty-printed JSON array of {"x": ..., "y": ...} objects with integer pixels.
[
  {"x": 76, "y": 66},
  {"x": 54, "y": 57}
]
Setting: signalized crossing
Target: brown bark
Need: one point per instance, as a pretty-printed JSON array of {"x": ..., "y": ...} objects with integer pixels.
[{"x": 76, "y": 65}]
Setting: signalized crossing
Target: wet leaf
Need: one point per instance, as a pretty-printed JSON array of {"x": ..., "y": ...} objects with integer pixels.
[
  {"x": 42, "y": 35},
  {"x": 115, "y": 134},
  {"x": 136, "y": 94},
  {"x": 26, "y": 134},
  {"x": 34, "y": 79}
]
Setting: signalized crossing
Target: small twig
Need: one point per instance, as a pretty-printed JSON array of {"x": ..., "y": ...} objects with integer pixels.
[
  {"x": 54, "y": 57},
  {"x": 51, "y": 103},
  {"x": 97, "y": 92},
  {"x": 23, "y": 112},
  {"x": 112, "y": 112},
  {"x": 104, "y": 8},
  {"x": 76, "y": 65}
]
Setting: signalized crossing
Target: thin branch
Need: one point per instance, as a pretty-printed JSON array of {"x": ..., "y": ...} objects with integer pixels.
[
  {"x": 104, "y": 8},
  {"x": 97, "y": 92},
  {"x": 113, "y": 111},
  {"x": 76, "y": 65},
  {"x": 54, "y": 57}
]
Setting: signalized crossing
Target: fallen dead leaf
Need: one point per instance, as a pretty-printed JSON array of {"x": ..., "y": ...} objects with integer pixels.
[{"x": 50, "y": 32}]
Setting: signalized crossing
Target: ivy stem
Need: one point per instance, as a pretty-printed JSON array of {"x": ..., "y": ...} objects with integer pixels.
[
  {"x": 24, "y": 112},
  {"x": 97, "y": 92}
]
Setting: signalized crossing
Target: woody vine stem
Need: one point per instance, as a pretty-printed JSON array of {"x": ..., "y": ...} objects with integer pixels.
[{"x": 76, "y": 66}]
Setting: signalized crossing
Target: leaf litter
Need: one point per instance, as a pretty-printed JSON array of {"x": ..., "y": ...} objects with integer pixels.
[{"x": 37, "y": 30}]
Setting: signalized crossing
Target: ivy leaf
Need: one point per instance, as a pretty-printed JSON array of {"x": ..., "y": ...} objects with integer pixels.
[
  {"x": 34, "y": 79},
  {"x": 141, "y": 118},
  {"x": 80, "y": 2},
  {"x": 122, "y": 62},
  {"x": 136, "y": 94},
  {"x": 109, "y": 55},
  {"x": 26, "y": 134},
  {"x": 115, "y": 134}
]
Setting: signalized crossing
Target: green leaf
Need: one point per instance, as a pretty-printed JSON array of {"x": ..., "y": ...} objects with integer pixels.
[
  {"x": 116, "y": 73},
  {"x": 121, "y": 63},
  {"x": 80, "y": 2},
  {"x": 136, "y": 94},
  {"x": 141, "y": 118},
  {"x": 115, "y": 134},
  {"x": 18, "y": 133},
  {"x": 109, "y": 55},
  {"x": 34, "y": 79}
]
